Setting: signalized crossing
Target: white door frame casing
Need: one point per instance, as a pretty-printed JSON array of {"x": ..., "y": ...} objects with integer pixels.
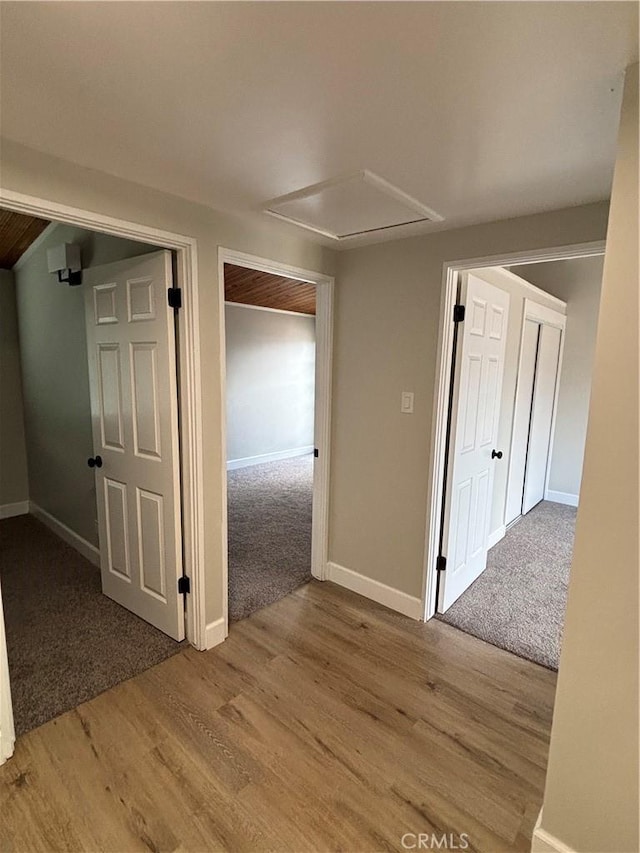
[
  {"x": 446, "y": 326},
  {"x": 190, "y": 402},
  {"x": 7, "y": 731},
  {"x": 322, "y": 421}
]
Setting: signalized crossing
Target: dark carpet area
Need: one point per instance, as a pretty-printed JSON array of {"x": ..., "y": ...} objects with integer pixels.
[
  {"x": 518, "y": 603},
  {"x": 269, "y": 510},
  {"x": 66, "y": 641}
]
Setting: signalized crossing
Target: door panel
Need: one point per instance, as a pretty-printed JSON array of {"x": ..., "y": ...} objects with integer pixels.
[
  {"x": 132, "y": 372},
  {"x": 116, "y": 528},
  {"x": 475, "y": 414},
  {"x": 110, "y": 382},
  {"x": 150, "y": 514},
  {"x": 522, "y": 420},
  {"x": 146, "y": 415},
  {"x": 541, "y": 416}
]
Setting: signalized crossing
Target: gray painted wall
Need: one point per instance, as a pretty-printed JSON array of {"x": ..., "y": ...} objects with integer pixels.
[
  {"x": 55, "y": 377},
  {"x": 578, "y": 282},
  {"x": 385, "y": 341},
  {"x": 14, "y": 482},
  {"x": 270, "y": 381}
]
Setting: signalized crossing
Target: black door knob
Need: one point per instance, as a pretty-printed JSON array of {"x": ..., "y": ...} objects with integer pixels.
[
  {"x": 94, "y": 462},
  {"x": 496, "y": 454}
]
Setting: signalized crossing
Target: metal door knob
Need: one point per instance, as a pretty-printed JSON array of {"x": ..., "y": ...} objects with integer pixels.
[
  {"x": 94, "y": 462},
  {"x": 496, "y": 454}
]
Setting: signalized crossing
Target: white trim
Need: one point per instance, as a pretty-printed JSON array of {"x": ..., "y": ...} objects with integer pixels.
[
  {"x": 561, "y": 497},
  {"x": 322, "y": 427},
  {"x": 394, "y": 599},
  {"x": 426, "y": 213},
  {"x": 190, "y": 376},
  {"x": 11, "y": 510},
  {"x": 88, "y": 551},
  {"x": 322, "y": 421},
  {"x": 7, "y": 731},
  {"x": 450, "y": 271},
  {"x": 264, "y": 308},
  {"x": 544, "y": 315},
  {"x": 215, "y": 633},
  {"x": 248, "y": 461},
  {"x": 533, "y": 256},
  {"x": 497, "y": 535},
  {"x": 253, "y": 262},
  {"x": 543, "y": 842},
  {"x": 36, "y": 243},
  {"x": 437, "y": 462},
  {"x": 554, "y": 412}
]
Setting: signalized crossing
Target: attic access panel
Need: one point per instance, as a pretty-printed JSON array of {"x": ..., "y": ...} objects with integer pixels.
[{"x": 350, "y": 206}]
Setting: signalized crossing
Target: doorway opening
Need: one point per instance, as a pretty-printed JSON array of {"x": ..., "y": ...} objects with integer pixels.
[
  {"x": 277, "y": 339},
  {"x": 90, "y": 424},
  {"x": 513, "y": 433}
]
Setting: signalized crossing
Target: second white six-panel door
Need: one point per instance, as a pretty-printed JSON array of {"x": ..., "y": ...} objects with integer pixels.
[{"x": 134, "y": 410}]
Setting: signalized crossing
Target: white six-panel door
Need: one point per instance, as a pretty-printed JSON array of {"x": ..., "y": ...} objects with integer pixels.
[
  {"x": 134, "y": 410},
  {"x": 475, "y": 417}
]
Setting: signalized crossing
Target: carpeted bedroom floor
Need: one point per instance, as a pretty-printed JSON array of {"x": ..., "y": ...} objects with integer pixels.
[
  {"x": 66, "y": 641},
  {"x": 518, "y": 603},
  {"x": 269, "y": 517}
]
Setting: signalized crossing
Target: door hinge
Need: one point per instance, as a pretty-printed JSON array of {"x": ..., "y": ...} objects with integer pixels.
[
  {"x": 174, "y": 295},
  {"x": 441, "y": 564},
  {"x": 184, "y": 585},
  {"x": 458, "y": 313},
  {"x": 316, "y": 452}
]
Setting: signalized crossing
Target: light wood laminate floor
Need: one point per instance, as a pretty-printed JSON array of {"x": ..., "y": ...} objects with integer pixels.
[{"x": 324, "y": 722}]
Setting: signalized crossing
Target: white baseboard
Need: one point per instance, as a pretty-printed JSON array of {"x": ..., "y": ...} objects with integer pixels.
[
  {"x": 561, "y": 498},
  {"x": 11, "y": 510},
  {"x": 497, "y": 535},
  {"x": 215, "y": 633},
  {"x": 392, "y": 598},
  {"x": 544, "y": 842},
  {"x": 89, "y": 551},
  {"x": 247, "y": 461}
]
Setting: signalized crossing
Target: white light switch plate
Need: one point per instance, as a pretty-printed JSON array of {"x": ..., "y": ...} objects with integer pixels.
[{"x": 406, "y": 403}]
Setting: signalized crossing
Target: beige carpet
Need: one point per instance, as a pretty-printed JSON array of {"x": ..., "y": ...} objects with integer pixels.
[
  {"x": 269, "y": 510},
  {"x": 66, "y": 641},
  {"x": 518, "y": 602}
]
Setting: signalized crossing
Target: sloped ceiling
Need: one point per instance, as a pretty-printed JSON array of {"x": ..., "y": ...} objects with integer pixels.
[
  {"x": 17, "y": 233},
  {"x": 251, "y": 287}
]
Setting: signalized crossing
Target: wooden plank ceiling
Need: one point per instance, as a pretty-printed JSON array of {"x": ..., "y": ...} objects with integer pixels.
[
  {"x": 17, "y": 233},
  {"x": 250, "y": 287}
]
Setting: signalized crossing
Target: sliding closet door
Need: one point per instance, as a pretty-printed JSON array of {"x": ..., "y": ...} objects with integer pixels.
[
  {"x": 541, "y": 416},
  {"x": 521, "y": 420}
]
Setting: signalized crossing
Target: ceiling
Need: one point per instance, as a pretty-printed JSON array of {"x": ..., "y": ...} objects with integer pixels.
[
  {"x": 17, "y": 233},
  {"x": 477, "y": 110},
  {"x": 251, "y": 287}
]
